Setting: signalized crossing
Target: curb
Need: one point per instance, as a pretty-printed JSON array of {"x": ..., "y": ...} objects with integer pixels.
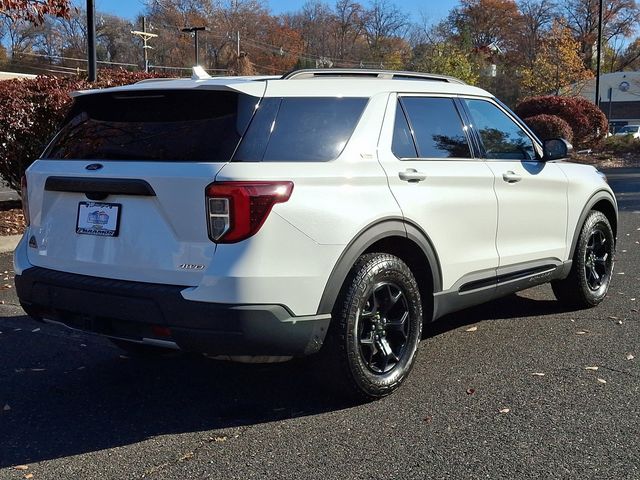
[{"x": 8, "y": 243}]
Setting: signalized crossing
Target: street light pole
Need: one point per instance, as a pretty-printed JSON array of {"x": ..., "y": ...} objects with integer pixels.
[
  {"x": 195, "y": 31},
  {"x": 91, "y": 41},
  {"x": 599, "y": 53}
]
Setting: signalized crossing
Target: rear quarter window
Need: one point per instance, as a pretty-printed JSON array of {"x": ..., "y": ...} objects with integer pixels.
[{"x": 295, "y": 129}]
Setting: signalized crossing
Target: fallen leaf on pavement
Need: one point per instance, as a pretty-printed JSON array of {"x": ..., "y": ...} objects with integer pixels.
[
  {"x": 6, "y": 407},
  {"x": 21, "y": 467},
  {"x": 220, "y": 439},
  {"x": 602, "y": 380},
  {"x": 504, "y": 410},
  {"x": 613, "y": 318},
  {"x": 471, "y": 391},
  {"x": 28, "y": 475},
  {"x": 428, "y": 419},
  {"x": 38, "y": 369},
  {"x": 35, "y": 330},
  {"x": 581, "y": 332},
  {"x": 124, "y": 357},
  {"x": 538, "y": 374},
  {"x": 591, "y": 368},
  {"x": 630, "y": 357},
  {"x": 471, "y": 329},
  {"x": 620, "y": 273}
]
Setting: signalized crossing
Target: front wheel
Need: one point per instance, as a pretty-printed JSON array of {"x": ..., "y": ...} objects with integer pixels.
[
  {"x": 590, "y": 276},
  {"x": 376, "y": 327}
]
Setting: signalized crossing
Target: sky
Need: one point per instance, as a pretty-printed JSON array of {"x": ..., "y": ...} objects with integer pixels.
[{"x": 434, "y": 10}]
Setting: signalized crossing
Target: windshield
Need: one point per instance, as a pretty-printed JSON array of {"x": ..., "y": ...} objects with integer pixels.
[{"x": 629, "y": 129}]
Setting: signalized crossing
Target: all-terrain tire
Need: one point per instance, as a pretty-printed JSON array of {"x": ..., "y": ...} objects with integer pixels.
[
  {"x": 590, "y": 276},
  {"x": 375, "y": 328}
]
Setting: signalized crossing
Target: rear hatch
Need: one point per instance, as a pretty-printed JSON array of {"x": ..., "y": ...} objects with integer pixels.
[{"x": 120, "y": 191}]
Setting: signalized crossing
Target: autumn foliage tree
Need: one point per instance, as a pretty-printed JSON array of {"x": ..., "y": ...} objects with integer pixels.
[
  {"x": 34, "y": 10},
  {"x": 556, "y": 64}
]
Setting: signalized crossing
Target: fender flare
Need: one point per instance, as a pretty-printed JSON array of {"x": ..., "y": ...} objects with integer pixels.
[
  {"x": 595, "y": 198},
  {"x": 388, "y": 227}
]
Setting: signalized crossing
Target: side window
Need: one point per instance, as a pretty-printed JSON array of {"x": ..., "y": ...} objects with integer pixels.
[
  {"x": 437, "y": 127},
  {"x": 402, "y": 145},
  {"x": 295, "y": 129},
  {"x": 502, "y": 138}
]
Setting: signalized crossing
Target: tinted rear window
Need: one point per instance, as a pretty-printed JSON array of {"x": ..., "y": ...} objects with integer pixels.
[
  {"x": 295, "y": 129},
  {"x": 154, "y": 125}
]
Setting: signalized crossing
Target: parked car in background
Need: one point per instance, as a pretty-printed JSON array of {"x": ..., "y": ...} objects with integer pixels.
[{"x": 633, "y": 130}]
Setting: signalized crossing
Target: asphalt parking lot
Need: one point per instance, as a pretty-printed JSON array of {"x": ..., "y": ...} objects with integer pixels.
[{"x": 518, "y": 388}]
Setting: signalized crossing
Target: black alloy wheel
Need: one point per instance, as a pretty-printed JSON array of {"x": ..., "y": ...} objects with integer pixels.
[
  {"x": 375, "y": 328},
  {"x": 588, "y": 281},
  {"x": 384, "y": 327}
]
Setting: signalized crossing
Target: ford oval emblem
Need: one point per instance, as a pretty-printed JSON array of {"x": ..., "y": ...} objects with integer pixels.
[{"x": 94, "y": 166}]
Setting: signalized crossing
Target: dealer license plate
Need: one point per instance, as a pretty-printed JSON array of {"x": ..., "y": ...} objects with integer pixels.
[{"x": 102, "y": 219}]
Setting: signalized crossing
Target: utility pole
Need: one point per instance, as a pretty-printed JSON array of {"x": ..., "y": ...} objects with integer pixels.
[
  {"x": 194, "y": 31},
  {"x": 91, "y": 41},
  {"x": 145, "y": 36},
  {"x": 238, "y": 53},
  {"x": 599, "y": 50}
]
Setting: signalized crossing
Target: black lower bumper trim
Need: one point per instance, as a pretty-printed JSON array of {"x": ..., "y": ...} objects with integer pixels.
[{"x": 132, "y": 310}]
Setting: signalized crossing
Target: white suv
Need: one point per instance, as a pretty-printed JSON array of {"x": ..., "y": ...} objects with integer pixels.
[{"x": 328, "y": 212}]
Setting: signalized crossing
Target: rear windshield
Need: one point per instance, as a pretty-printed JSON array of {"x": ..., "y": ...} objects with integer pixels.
[
  {"x": 154, "y": 125},
  {"x": 294, "y": 129}
]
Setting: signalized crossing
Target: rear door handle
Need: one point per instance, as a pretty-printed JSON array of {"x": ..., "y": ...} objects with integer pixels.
[
  {"x": 511, "y": 177},
  {"x": 411, "y": 175}
]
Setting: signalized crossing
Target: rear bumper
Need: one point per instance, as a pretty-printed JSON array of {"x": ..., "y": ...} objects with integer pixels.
[{"x": 134, "y": 310}]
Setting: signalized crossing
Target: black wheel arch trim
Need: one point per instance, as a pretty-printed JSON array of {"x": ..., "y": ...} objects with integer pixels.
[
  {"x": 595, "y": 198},
  {"x": 378, "y": 230}
]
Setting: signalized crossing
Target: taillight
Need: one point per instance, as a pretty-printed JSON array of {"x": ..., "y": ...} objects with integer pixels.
[
  {"x": 237, "y": 210},
  {"x": 24, "y": 195}
]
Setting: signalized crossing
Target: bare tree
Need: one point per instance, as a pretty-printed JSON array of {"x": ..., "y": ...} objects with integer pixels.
[
  {"x": 537, "y": 17},
  {"x": 384, "y": 20},
  {"x": 620, "y": 18}
]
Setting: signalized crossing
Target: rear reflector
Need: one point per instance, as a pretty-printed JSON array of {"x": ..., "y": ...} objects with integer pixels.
[
  {"x": 24, "y": 195},
  {"x": 237, "y": 210}
]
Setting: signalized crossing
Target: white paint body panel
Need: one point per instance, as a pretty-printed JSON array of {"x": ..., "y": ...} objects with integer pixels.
[
  {"x": 532, "y": 223},
  {"x": 290, "y": 259}
]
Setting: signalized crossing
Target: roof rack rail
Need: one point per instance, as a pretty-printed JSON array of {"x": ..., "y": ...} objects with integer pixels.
[
  {"x": 368, "y": 73},
  {"x": 157, "y": 79}
]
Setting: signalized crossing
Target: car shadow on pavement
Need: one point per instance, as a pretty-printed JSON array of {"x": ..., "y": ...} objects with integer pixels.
[
  {"x": 85, "y": 398},
  {"x": 511, "y": 306}
]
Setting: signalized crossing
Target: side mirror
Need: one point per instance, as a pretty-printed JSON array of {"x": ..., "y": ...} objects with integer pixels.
[{"x": 556, "y": 148}]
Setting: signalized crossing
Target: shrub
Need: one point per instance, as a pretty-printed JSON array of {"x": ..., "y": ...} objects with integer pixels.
[
  {"x": 32, "y": 110},
  {"x": 621, "y": 144},
  {"x": 549, "y": 126},
  {"x": 588, "y": 123}
]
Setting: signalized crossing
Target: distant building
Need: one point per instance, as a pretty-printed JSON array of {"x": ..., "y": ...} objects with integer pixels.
[
  {"x": 619, "y": 96},
  {"x": 12, "y": 75}
]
